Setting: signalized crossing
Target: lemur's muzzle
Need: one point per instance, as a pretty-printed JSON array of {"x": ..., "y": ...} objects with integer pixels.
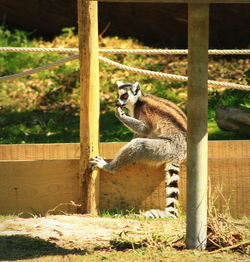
[{"x": 119, "y": 104}]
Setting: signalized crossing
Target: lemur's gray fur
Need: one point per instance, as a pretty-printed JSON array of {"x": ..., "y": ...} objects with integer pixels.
[{"x": 160, "y": 138}]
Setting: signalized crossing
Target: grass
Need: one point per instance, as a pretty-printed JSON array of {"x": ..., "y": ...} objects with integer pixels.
[
  {"x": 38, "y": 250},
  {"x": 44, "y": 107},
  {"x": 217, "y": 134},
  {"x": 150, "y": 243}
]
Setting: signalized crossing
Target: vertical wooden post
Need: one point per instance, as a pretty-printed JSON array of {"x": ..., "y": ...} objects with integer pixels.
[
  {"x": 198, "y": 21},
  {"x": 89, "y": 108}
]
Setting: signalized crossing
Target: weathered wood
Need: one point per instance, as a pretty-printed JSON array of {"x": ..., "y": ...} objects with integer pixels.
[
  {"x": 234, "y": 119},
  {"x": 197, "y": 141},
  {"x": 89, "y": 104}
]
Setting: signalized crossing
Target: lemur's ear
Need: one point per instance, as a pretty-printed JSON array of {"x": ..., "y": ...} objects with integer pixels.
[
  {"x": 119, "y": 83},
  {"x": 135, "y": 88}
]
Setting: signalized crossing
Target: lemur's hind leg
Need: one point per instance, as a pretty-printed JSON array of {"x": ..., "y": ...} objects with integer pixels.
[
  {"x": 130, "y": 153},
  {"x": 138, "y": 150}
]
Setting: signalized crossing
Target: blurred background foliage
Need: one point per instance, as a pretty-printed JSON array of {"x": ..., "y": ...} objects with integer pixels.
[{"x": 44, "y": 107}]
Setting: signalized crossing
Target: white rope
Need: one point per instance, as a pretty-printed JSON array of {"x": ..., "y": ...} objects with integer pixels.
[
  {"x": 39, "y": 69},
  {"x": 170, "y": 76},
  {"x": 126, "y": 51},
  {"x": 174, "y": 51},
  {"x": 149, "y": 73},
  {"x": 143, "y": 71},
  {"x": 40, "y": 49}
]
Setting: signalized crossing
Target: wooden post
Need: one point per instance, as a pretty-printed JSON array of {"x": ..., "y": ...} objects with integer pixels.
[
  {"x": 198, "y": 20},
  {"x": 89, "y": 108}
]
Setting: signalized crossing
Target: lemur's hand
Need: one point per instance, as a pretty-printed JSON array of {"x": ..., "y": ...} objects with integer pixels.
[
  {"x": 119, "y": 112},
  {"x": 97, "y": 161}
]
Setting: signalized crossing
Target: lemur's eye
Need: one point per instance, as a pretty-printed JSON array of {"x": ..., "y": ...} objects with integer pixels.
[{"x": 124, "y": 96}]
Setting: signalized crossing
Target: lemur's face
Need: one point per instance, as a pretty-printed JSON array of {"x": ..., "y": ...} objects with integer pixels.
[{"x": 128, "y": 94}]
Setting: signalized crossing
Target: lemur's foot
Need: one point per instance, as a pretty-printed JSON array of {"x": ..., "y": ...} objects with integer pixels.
[
  {"x": 156, "y": 213},
  {"x": 98, "y": 161}
]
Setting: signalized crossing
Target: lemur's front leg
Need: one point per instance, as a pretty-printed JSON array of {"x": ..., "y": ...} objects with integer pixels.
[
  {"x": 125, "y": 155},
  {"x": 135, "y": 125}
]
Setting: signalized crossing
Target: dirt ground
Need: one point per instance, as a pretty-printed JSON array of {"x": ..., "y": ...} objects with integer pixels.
[{"x": 86, "y": 232}]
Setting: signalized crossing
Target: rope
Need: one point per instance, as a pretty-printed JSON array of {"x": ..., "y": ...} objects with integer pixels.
[
  {"x": 143, "y": 71},
  {"x": 149, "y": 73},
  {"x": 40, "y": 49},
  {"x": 39, "y": 69},
  {"x": 126, "y": 51},
  {"x": 170, "y": 76},
  {"x": 174, "y": 51}
]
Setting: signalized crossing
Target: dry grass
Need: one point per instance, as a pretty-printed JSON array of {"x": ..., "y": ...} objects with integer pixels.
[{"x": 225, "y": 233}]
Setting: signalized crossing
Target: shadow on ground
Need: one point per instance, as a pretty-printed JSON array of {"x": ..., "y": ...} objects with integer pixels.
[{"x": 23, "y": 247}]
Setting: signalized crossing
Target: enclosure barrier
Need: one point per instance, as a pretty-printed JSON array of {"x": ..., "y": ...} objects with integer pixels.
[
  {"x": 148, "y": 73},
  {"x": 36, "y": 178},
  {"x": 124, "y": 51}
]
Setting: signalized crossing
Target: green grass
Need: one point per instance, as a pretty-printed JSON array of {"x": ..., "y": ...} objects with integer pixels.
[
  {"x": 214, "y": 133},
  {"x": 44, "y": 107}
]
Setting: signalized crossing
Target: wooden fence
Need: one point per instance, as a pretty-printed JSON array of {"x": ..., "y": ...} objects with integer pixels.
[{"x": 36, "y": 178}]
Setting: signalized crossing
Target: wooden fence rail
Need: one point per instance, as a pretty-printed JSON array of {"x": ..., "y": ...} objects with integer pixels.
[{"x": 35, "y": 178}]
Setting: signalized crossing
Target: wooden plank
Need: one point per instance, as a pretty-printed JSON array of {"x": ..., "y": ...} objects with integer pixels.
[
  {"x": 89, "y": 104},
  {"x": 124, "y": 189},
  {"x": 34, "y": 187},
  {"x": 108, "y": 150},
  {"x": 42, "y": 185},
  {"x": 229, "y": 176},
  {"x": 40, "y": 151},
  {"x": 230, "y": 148},
  {"x": 233, "y": 176},
  {"x": 216, "y": 149}
]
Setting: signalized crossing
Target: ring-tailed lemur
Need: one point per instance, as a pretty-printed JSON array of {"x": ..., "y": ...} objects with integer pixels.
[{"x": 160, "y": 138}]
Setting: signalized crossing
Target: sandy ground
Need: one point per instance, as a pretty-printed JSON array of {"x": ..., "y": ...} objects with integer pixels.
[{"x": 78, "y": 231}]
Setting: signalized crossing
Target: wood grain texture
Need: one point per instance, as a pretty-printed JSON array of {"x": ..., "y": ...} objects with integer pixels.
[
  {"x": 40, "y": 151},
  {"x": 125, "y": 190},
  {"x": 36, "y": 186},
  {"x": 89, "y": 104},
  {"x": 216, "y": 149},
  {"x": 43, "y": 184}
]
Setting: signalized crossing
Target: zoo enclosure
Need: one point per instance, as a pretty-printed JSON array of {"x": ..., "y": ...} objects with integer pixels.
[{"x": 89, "y": 181}]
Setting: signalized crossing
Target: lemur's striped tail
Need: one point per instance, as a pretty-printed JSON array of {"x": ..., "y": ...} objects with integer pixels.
[{"x": 172, "y": 190}]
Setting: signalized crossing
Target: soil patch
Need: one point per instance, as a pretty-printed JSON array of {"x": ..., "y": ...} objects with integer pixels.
[{"x": 87, "y": 232}]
